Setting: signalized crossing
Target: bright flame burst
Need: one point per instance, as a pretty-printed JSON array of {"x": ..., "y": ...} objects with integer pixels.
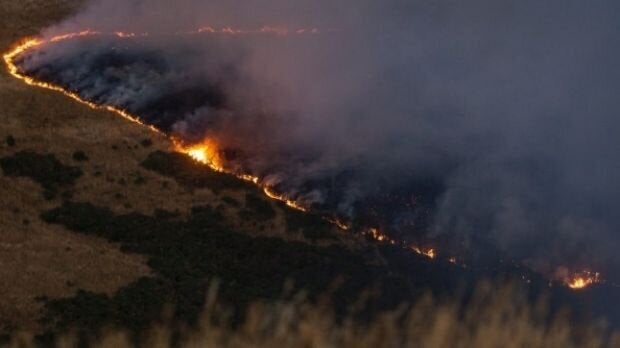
[
  {"x": 583, "y": 279},
  {"x": 207, "y": 151},
  {"x": 430, "y": 253}
]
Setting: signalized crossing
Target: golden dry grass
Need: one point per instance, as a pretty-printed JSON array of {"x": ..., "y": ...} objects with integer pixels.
[{"x": 497, "y": 317}]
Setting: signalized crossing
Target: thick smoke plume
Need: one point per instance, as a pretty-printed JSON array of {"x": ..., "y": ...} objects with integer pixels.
[{"x": 481, "y": 122}]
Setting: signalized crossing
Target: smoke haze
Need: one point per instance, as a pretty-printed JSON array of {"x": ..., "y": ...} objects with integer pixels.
[{"x": 467, "y": 121}]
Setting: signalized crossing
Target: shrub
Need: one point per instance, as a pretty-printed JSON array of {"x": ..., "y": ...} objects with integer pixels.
[
  {"x": 46, "y": 170},
  {"x": 258, "y": 208},
  {"x": 146, "y": 143},
  {"x": 189, "y": 174},
  {"x": 80, "y": 156},
  {"x": 10, "y": 141}
]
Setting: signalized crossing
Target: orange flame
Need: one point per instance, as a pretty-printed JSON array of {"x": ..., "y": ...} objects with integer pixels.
[
  {"x": 205, "y": 153},
  {"x": 68, "y": 36},
  {"x": 430, "y": 253},
  {"x": 28, "y": 44},
  {"x": 582, "y": 280},
  {"x": 282, "y": 198},
  {"x": 339, "y": 223},
  {"x": 281, "y": 31}
]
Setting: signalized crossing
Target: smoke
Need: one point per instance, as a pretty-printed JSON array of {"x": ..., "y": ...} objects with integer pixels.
[{"x": 468, "y": 121}]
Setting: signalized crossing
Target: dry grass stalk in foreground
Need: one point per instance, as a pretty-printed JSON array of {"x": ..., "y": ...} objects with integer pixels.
[{"x": 496, "y": 317}]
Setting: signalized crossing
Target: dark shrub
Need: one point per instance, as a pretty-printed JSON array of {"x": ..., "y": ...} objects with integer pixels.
[
  {"x": 146, "y": 143},
  {"x": 46, "y": 170},
  {"x": 10, "y": 141},
  {"x": 191, "y": 174},
  {"x": 80, "y": 156}
]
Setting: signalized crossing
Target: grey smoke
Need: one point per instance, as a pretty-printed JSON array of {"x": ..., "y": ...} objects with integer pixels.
[{"x": 513, "y": 105}]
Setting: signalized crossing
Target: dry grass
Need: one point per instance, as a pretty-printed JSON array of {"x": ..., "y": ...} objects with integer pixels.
[
  {"x": 38, "y": 259},
  {"x": 497, "y": 317}
]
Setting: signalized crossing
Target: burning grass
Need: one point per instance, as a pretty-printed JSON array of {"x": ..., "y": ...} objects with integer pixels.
[{"x": 185, "y": 171}]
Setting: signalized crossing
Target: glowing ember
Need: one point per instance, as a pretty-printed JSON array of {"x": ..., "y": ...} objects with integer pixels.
[
  {"x": 341, "y": 225},
  {"x": 430, "y": 253},
  {"x": 291, "y": 203},
  {"x": 68, "y": 36},
  {"x": 282, "y": 31},
  {"x": 380, "y": 236},
  {"x": 582, "y": 280}
]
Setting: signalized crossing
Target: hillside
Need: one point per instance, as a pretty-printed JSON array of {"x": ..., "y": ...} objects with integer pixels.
[
  {"x": 104, "y": 225},
  {"x": 95, "y": 209}
]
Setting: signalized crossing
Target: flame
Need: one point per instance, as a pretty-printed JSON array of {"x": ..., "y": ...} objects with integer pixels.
[
  {"x": 339, "y": 223},
  {"x": 282, "y": 198},
  {"x": 68, "y": 36},
  {"x": 582, "y": 280},
  {"x": 430, "y": 253},
  {"x": 207, "y": 152},
  {"x": 275, "y": 30},
  {"x": 379, "y": 236},
  {"x": 125, "y": 35},
  {"x": 29, "y": 44}
]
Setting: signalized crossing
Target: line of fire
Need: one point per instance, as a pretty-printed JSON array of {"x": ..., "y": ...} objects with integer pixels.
[{"x": 207, "y": 152}]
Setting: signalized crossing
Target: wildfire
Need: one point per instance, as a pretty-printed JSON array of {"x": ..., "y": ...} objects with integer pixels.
[
  {"x": 581, "y": 280},
  {"x": 28, "y": 44},
  {"x": 207, "y": 151},
  {"x": 68, "y": 36},
  {"x": 291, "y": 203},
  {"x": 339, "y": 223},
  {"x": 430, "y": 253},
  {"x": 125, "y": 35},
  {"x": 379, "y": 236},
  {"x": 281, "y": 31}
]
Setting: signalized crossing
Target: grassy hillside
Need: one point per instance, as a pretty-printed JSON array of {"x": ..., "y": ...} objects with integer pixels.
[
  {"x": 104, "y": 227},
  {"x": 66, "y": 169}
]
